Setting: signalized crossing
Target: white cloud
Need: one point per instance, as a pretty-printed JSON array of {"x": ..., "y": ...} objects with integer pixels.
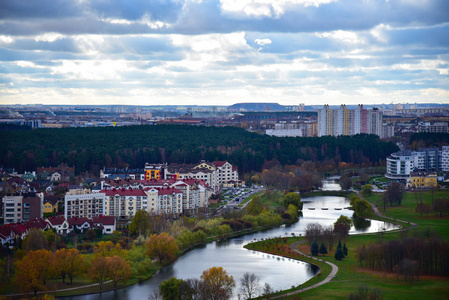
[
  {"x": 262, "y": 42},
  {"x": 266, "y": 8}
]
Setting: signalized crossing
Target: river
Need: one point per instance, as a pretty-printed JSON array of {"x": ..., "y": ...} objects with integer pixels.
[{"x": 280, "y": 273}]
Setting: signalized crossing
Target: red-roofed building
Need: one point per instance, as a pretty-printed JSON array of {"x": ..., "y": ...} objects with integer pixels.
[
  {"x": 83, "y": 204},
  {"x": 59, "y": 223},
  {"x": 80, "y": 224},
  {"x": 165, "y": 200},
  {"x": 124, "y": 203},
  {"x": 6, "y": 235},
  {"x": 108, "y": 223}
]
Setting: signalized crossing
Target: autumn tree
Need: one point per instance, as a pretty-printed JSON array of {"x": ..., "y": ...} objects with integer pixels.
[
  {"x": 33, "y": 271},
  {"x": 219, "y": 284},
  {"x": 140, "y": 224},
  {"x": 161, "y": 246},
  {"x": 362, "y": 208},
  {"x": 255, "y": 206},
  {"x": 250, "y": 285},
  {"x": 70, "y": 263},
  {"x": 108, "y": 249},
  {"x": 394, "y": 193},
  {"x": 292, "y": 198},
  {"x": 35, "y": 240},
  {"x": 367, "y": 190},
  {"x": 119, "y": 270},
  {"x": 99, "y": 270}
]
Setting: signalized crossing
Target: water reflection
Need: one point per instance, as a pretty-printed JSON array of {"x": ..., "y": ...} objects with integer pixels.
[
  {"x": 312, "y": 269},
  {"x": 360, "y": 224}
]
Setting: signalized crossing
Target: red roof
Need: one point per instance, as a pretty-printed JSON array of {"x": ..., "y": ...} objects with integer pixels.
[
  {"x": 56, "y": 220},
  {"x": 104, "y": 220},
  {"x": 219, "y": 163},
  {"x": 5, "y": 231},
  {"x": 123, "y": 192},
  {"x": 167, "y": 191},
  {"x": 79, "y": 221}
]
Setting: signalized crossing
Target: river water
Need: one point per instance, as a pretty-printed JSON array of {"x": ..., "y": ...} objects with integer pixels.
[{"x": 280, "y": 273}]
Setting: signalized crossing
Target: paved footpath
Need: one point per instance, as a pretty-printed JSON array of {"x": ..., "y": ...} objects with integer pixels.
[{"x": 325, "y": 280}]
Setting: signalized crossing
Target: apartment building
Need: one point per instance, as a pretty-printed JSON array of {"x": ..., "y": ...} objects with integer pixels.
[
  {"x": 22, "y": 207},
  {"x": 124, "y": 202},
  {"x": 83, "y": 204},
  {"x": 402, "y": 163},
  {"x": 345, "y": 121},
  {"x": 166, "y": 200}
]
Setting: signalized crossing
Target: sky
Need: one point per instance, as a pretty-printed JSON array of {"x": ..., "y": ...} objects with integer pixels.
[{"x": 221, "y": 52}]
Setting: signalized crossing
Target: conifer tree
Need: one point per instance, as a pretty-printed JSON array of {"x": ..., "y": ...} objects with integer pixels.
[
  {"x": 323, "y": 249},
  {"x": 314, "y": 248}
]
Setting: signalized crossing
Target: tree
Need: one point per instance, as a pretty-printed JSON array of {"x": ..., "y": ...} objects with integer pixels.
[
  {"x": 362, "y": 208},
  {"x": 35, "y": 240},
  {"x": 339, "y": 254},
  {"x": 90, "y": 235},
  {"x": 314, "y": 250},
  {"x": 218, "y": 283},
  {"x": 33, "y": 271},
  {"x": 423, "y": 208},
  {"x": 256, "y": 206},
  {"x": 140, "y": 224},
  {"x": 367, "y": 190},
  {"x": 108, "y": 249},
  {"x": 345, "y": 250},
  {"x": 292, "y": 198},
  {"x": 345, "y": 220},
  {"x": 169, "y": 289},
  {"x": 161, "y": 246},
  {"x": 345, "y": 182},
  {"x": 323, "y": 249},
  {"x": 341, "y": 230},
  {"x": 250, "y": 285},
  {"x": 267, "y": 290},
  {"x": 68, "y": 262},
  {"x": 119, "y": 270},
  {"x": 394, "y": 193},
  {"x": 99, "y": 270}
]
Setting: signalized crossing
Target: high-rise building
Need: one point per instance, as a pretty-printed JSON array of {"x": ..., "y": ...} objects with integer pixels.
[{"x": 345, "y": 121}]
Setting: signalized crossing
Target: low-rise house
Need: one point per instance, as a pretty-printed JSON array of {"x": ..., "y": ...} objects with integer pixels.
[
  {"x": 51, "y": 204},
  {"x": 80, "y": 224},
  {"x": 59, "y": 223},
  {"x": 422, "y": 180},
  {"x": 6, "y": 236},
  {"x": 108, "y": 223}
]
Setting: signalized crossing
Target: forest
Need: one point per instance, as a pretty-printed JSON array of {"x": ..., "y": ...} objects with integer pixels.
[{"x": 90, "y": 149}]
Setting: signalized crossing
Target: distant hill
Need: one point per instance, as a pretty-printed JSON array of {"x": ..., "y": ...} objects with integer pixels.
[{"x": 257, "y": 107}]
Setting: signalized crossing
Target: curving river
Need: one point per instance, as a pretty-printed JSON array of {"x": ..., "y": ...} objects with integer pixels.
[{"x": 280, "y": 273}]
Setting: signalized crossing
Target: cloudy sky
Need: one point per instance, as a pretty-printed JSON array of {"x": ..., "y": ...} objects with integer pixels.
[{"x": 220, "y": 52}]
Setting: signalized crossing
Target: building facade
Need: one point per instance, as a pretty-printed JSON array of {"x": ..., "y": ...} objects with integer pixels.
[{"x": 83, "y": 204}]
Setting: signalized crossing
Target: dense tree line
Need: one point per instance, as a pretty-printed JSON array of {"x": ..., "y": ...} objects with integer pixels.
[
  {"x": 428, "y": 139},
  {"x": 89, "y": 149},
  {"x": 408, "y": 257}
]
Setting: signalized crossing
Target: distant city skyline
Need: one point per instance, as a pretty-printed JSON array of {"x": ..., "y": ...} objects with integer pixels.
[{"x": 221, "y": 52}]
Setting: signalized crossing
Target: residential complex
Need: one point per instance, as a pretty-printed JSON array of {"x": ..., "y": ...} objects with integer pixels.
[
  {"x": 345, "y": 121},
  {"x": 402, "y": 163}
]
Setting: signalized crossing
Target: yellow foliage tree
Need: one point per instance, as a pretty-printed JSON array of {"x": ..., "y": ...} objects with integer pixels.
[
  {"x": 33, "y": 271},
  {"x": 218, "y": 283},
  {"x": 69, "y": 262},
  {"x": 161, "y": 246}
]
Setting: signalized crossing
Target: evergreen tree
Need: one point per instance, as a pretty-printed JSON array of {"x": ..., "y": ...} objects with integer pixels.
[
  {"x": 323, "y": 249},
  {"x": 314, "y": 248},
  {"x": 345, "y": 250},
  {"x": 339, "y": 254}
]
